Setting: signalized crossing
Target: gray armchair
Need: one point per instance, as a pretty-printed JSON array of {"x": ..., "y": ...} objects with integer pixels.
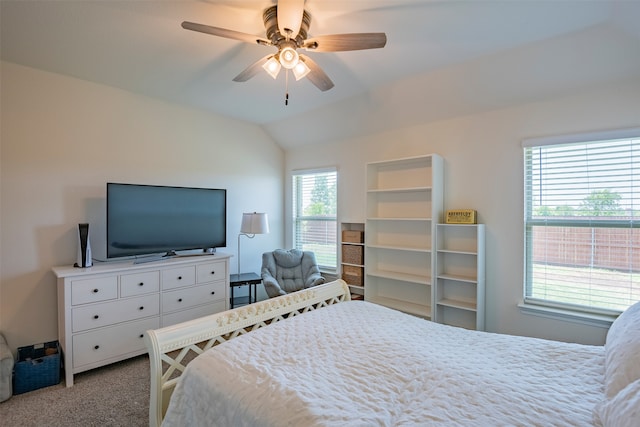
[{"x": 285, "y": 271}]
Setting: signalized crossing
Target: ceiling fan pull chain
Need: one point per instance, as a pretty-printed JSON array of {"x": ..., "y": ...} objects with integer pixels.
[{"x": 286, "y": 88}]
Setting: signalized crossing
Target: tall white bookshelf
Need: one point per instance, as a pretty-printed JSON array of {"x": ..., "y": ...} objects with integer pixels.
[
  {"x": 459, "y": 292},
  {"x": 404, "y": 204}
]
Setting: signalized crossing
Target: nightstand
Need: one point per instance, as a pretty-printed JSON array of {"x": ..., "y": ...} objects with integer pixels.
[{"x": 243, "y": 279}]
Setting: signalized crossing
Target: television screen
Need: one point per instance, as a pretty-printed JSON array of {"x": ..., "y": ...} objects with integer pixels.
[{"x": 149, "y": 219}]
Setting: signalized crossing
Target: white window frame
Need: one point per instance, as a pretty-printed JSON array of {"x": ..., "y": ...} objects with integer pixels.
[
  {"x": 324, "y": 260},
  {"x": 549, "y": 307}
]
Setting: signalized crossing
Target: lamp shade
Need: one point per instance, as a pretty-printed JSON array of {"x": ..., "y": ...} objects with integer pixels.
[
  {"x": 288, "y": 57},
  {"x": 272, "y": 66},
  {"x": 301, "y": 69},
  {"x": 254, "y": 223}
]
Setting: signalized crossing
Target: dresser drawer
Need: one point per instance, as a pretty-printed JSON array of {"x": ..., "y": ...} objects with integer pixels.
[
  {"x": 178, "y": 277},
  {"x": 189, "y": 297},
  {"x": 211, "y": 271},
  {"x": 109, "y": 313},
  {"x": 139, "y": 283},
  {"x": 192, "y": 313},
  {"x": 106, "y": 343},
  {"x": 94, "y": 290}
]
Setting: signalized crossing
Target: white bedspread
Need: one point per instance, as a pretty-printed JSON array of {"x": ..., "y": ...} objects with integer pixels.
[{"x": 361, "y": 364}]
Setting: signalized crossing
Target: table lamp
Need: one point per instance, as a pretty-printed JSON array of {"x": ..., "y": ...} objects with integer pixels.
[{"x": 252, "y": 224}]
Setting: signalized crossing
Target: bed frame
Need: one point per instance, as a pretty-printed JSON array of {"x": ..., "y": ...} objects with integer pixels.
[{"x": 171, "y": 348}]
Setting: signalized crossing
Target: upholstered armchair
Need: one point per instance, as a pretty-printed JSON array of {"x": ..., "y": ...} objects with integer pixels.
[{"x": 285, "y": 271}]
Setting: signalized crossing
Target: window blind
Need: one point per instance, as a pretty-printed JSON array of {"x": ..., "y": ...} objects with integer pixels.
[
  {"x": 582, "y": 222},
  {"x": 315, "y": 215}
]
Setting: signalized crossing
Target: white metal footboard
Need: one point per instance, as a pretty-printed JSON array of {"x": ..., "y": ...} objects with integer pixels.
[{"x": 171, "y": 348}]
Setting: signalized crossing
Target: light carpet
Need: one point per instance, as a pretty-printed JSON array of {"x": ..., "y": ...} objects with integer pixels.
[{"x": 113, "y": 395}]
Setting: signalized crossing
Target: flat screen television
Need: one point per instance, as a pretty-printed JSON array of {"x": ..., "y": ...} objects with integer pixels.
[{"x": 151, "y": 219}]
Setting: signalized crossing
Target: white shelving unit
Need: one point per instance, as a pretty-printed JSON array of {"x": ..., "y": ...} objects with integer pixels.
[
  {"x": 352, "y": 256},
  {"x": 404, "y": 203},
  {"x": 460, "y": 275}
]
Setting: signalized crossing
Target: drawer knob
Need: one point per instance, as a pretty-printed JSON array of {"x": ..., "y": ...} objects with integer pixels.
[
  {"x": 141, "y": 335},
  {"x": 179, "y": 277},
  {"x": 141, "y": 307},
  {"x": 213, "y": 272},
  {"x": 213, "y": 292},
  {"x": 96, "y": 316},
  {"x": 141, "y": 284},
  {"x": 95, "y": 291},
  {"x": 96, "y": 347},
  {"x": 179, "y": 299}
]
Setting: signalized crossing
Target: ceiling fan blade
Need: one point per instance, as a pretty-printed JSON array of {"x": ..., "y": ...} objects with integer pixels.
[
  {"x": 316, "y": 76},
  {"x": 251, "y": 70},
  {"x": 223, "y": 32},
  {"x": 290, "y": 17},
  {"x": 342, "y": 42}
]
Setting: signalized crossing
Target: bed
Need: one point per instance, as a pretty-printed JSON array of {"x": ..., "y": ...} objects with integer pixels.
[{"x": 324, "y": 360}]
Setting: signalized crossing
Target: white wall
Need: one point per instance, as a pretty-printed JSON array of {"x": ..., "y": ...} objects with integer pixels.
[
  {"x": 64, "y": 138},
  {"x": 484, "y": 171}
]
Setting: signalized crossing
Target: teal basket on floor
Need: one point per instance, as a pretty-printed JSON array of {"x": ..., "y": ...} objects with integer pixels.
[{"x": 35, "y": 369}]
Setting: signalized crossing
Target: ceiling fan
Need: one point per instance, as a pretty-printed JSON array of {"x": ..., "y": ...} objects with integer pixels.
[{"x": 287, "y": 26}]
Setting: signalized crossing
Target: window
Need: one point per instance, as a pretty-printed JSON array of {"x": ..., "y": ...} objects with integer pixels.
[
  {"x": 315, "y": 215},
  {"x": 582, "y": 221}
]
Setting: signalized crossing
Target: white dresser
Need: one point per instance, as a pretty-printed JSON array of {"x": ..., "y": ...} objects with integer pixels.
[{"x": 104, "y": 310}]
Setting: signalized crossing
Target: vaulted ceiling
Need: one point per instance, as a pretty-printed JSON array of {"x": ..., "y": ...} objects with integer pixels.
[{"x": 443, "y": 57}]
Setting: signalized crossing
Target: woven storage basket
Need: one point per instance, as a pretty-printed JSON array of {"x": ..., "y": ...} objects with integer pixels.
[
  {"x": 353, "y": 236},
  {"x": 352, "y": 254},
  {"x": 352, "y": 275},
  {"x": 37, "y": 367}
]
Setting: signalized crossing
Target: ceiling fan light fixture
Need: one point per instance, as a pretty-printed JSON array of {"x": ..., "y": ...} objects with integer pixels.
[
  {"x": 286, "y": 26},
  {"x": 289, "y": 57},
  {"x": 301, "y": 69},
  {"x": 272, "y": 66}
]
